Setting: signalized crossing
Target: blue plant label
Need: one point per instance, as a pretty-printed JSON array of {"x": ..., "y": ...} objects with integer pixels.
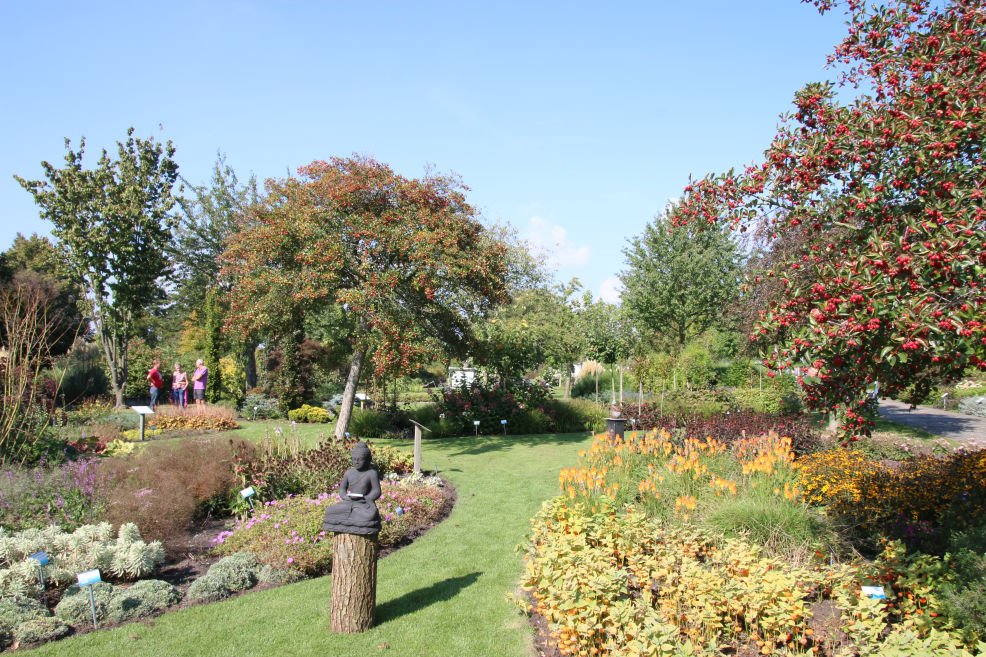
[
  {"x": 247, "y": 492},
  {"x": 40, "y": 557},
  {"x": 875, "y": 592},
  {"x": 400, "y": 511},
  {"x": 89, "y": 577},
  {"x": 476, "y": 422},
  {"x": 503, "y": 421}
]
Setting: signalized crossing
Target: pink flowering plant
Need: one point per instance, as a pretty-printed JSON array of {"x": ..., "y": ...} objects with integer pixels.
[
  {"x": 527, "y": 407},
  {"x": 288, "y": 533}
]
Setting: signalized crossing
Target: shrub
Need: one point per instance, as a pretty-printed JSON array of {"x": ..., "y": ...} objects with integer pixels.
[
  {"x": 16, "y": 610},
  {"x": 40, "y": 630},
  {"x": 573, "y": 415},
  {"x": 163, "y": 488},
  {"x": 527, "y": 408},
  {"x": 258, "y": 405},
  {"x": 288, "y": 533},
  {"x": 387, "y": 459},
  {"x": 75, "y": 609},
  {"x": 142, "y": 599},
  {"x": 368, "y": 423},
  {"x": 273, "y": 575},
  {"x": 69, "y": 495},
  {"x": 195, "y": 418},
  {"x": 126, "y": 557},
  {"x": 921, "y": 502},
  {"x": 304, "y": 473},
  {"x": 727, "y": 427},
  {"x": 973, "y": 406},
  {"x": 307, "y": 413},
  {"x": 235, "y": 573}
]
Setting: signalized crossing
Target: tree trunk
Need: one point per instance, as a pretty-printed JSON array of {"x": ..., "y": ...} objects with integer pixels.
[
  {"x": 568, "y": 381},
  {"x": 597, "y": 386},
  {"x": 250, "y": 363},
  {"x": 354, "y": 583},
  {"x": 349, "y": 394},
  {"x": 612, "y": 383}
]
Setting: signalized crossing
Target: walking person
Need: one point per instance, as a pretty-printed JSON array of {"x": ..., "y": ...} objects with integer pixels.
[
  {"x": 154, "y": 377},
  {"x": 179, "y": 381},
  {"x": 199, "y": 378}
]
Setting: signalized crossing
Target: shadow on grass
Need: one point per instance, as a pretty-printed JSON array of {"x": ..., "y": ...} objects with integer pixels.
[
  {"x": 420, "y": 598},
  {"x": 484, "y": 444}
]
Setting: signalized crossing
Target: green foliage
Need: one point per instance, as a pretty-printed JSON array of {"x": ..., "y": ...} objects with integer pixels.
[
  {"x": 679, "y": 279},
  {"x": 287, "y": 533},
  {"x": 313, "y": 414},
  {"x": 412, "y": 296},
  {"x": 214, "y": 346},
  {"x": 40, "y": 630},
  {"x": 115, "y": 222},
  {"x": 14, "y": 610},
  {"x": 126, "y": 557},
  {"x": 75, "y": 609},
  {"x": 368, "y": 423},
  {"x": 257, "y": 406},
  {"x": 144, "y": 598}
]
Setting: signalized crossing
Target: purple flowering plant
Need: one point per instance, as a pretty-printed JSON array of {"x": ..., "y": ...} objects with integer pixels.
[{"x": 287, "y": 533}]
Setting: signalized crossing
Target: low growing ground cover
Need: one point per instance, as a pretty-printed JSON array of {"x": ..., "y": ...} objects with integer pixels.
[{"x": 666, "y": 544}]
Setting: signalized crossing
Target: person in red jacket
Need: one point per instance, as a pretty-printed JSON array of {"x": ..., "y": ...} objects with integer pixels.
[{"x": 154, "y": 377}]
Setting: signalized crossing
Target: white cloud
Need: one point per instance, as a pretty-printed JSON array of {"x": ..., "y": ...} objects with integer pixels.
[
  {"x": 553, "y": 241},
  {"x": 611, "y": 290}
]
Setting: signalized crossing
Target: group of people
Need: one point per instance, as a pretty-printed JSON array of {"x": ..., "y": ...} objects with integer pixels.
[{"x": 179, "y": 383}]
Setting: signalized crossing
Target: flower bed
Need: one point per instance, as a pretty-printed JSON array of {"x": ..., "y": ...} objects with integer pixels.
[{"x": 288, "y": 533}]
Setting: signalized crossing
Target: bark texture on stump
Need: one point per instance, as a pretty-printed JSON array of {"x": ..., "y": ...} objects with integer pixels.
[{"x": 354, "y": 583}]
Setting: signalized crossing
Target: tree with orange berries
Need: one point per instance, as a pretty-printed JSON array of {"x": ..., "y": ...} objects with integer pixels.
[{"x": 406, "y": 259}]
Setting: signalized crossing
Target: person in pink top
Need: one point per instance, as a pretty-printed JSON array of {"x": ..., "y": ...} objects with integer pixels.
[
  {"x": 199, "y": 378},
  {"x": 154, "y": 378},
  {"x": 179, "y": 381}
]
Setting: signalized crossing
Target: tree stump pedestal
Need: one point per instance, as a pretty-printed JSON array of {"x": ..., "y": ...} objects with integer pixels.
[{"x": 354, "y": 583}]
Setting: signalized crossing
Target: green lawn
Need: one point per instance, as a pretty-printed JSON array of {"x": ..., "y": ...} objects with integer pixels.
[{"x": 444, "y": 595}]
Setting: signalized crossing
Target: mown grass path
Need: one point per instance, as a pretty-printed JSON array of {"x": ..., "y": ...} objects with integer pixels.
[{"x": 442, "y": 596}]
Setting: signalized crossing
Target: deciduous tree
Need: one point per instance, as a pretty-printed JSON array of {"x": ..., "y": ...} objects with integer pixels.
[
  {"x": 116, "y": 223},
  {"x": 885, "y": 193},
  {"x": 679, "y": 279},
  {"x": 405, "y": 257}
]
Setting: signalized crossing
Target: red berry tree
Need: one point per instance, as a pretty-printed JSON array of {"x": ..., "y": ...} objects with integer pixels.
[
  {"x": 406, "y": 259},
  {"x": 884, "y": 194}
]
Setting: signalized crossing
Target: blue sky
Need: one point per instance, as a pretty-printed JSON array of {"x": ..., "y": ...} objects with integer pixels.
[{"x": 574, "y": 122}]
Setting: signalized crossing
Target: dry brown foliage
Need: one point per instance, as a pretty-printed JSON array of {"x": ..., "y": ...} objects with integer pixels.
[{"x": 165, "y": 488}]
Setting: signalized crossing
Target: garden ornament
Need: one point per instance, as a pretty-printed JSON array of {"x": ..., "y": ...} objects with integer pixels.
[{"x": 356, "y": 512}]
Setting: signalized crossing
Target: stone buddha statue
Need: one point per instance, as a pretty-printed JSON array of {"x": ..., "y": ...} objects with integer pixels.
[{"x": 356, "y": 512}]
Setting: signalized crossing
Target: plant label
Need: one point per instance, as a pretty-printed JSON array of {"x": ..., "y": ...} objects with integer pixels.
[
  {"x": 40, "y": 557},
  {"x": 89, "y": 577},
  {"x": 247, "y": 492},
  {"x": 875, "y": 592}
]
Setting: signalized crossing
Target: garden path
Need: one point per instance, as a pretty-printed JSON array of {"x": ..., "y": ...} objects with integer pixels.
[
  {"x": 959, "y": 427},
  {"x": 442, "y": 596}
]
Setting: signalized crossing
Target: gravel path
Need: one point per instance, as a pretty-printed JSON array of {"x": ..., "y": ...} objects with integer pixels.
[{"x": 954, "y": 426}]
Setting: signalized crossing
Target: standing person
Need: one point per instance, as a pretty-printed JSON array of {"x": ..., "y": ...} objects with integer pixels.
[
  {"x": 199, "y": 378},
  {"x": 179, "y": 381},
  {"x": 154, "y": 377}
]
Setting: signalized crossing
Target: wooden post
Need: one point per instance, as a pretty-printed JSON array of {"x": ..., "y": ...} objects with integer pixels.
[
  {"x": 354, "y": 583},
  {"x": 417, "y": 445}
]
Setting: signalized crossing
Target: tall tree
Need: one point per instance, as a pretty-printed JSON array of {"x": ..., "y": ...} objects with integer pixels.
[
  {"x": 679, "y": 279},
  {"x": 405, "y": 257},
  {"x": 885, "y": 195},
  {"x": 210, "y": 218},
  {"x": 116, "y": 223},
  {"x": 34, "y": 268}
]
